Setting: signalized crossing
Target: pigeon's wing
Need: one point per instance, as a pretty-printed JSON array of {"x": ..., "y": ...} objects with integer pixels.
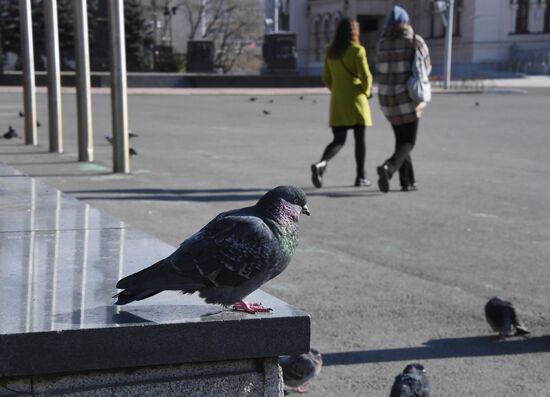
[
  {"x": 229, "y": 250},
  {"x": 162, "y": 276}
]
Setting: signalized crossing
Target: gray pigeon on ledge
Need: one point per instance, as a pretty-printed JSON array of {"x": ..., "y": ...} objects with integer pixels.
[
  {"x": 229, "y": 258},
  {"x": 300, "y": 369},
  {"x": 412, "y": 382},
  {"x": 502, "y": 317}
]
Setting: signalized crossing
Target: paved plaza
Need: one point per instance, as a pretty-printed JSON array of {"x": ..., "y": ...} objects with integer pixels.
[{"x": 388, "y": 279}]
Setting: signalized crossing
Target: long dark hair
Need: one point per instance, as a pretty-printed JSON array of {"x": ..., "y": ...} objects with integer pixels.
[{"x": 342, "y": 38}]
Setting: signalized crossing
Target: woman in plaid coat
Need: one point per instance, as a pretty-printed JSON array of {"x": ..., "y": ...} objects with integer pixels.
[
  {"x": 395, "y": 51},
  {"x": 346, "y": 74}
]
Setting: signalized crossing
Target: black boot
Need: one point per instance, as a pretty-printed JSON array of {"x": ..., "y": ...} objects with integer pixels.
[
  {"x": 317, "y": 171},
  {"x": 383, "y": 178}
]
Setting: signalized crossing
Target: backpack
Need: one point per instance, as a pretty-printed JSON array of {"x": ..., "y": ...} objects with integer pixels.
[{"x": 418, "y": 84}]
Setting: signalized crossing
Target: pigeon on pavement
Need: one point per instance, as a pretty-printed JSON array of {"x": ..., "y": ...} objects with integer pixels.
[
  {"x": 131, "y": 150},
  {"x": 11, "y": 133},
  {"x": 132, "y": 134},
  {"x": 502, "y": 317},
  {"x": 252, "y": 99},
  {"x": 300, "y": 369},
  {"x": 413, "y": 382},
  {"x": 266, "y": 112},
  {"x": 21, "y": 114},
  {"x": 230, "y": 257}
]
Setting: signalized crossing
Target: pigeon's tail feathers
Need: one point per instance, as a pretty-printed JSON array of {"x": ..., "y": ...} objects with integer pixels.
[
  {"x": 521, "y": 330},
  {"x": 161, "y": 276},
  {"x": 130, "y": 295}
]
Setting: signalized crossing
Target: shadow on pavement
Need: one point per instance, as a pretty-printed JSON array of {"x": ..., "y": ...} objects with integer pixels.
[
  {"x": 473, "y": 346},
  {"x": 237, "y": 194}
]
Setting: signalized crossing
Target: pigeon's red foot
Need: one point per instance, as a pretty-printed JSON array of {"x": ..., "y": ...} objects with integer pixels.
[
  {"x": 251, "y": 308},
  {"x": 301, "y": 389}
]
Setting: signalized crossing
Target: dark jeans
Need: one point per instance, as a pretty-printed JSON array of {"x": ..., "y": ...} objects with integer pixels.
[
  {"x": 405, "y": 138},
  {"x": 334, "y": 147}
]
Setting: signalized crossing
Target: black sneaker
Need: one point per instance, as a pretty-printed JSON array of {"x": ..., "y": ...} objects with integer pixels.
[
  {"x": 317, "y": 175},
  {"x": 362, "y": 182},
  {"x": 383, "y": 178}
]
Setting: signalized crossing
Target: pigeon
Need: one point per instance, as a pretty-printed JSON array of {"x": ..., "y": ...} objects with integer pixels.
[
  {"x": 266, "y": 112},
  {"x": 413, "y": 382},
  {"x": 502, "y": 317},
  {"x": 230, "y": 257},
  {"x": 252, "y": 99},
  {"x": 477, "y": 103},
  {"x": 300, "y": 369},
  {"x": 132, "y": 134},
  {"x": 271, "y": 101},
  {"x": 21, "y": 114},
  {"x": 109, "y": 139},
  {"x": 38, "y": 124},
  {"x": 301, "y": 97},
  {"x": 11, "y": 133},
  {"x": 132, "y": 152}
]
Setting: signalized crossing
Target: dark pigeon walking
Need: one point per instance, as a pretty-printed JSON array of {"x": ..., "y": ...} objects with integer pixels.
[
  {"x": 11, "y": 133},
  {"x": 266, "y": 112},
  {"x": 131, "y": 150},
  {"x": 21, "y": 114},
  {"x": 230, "y": 257},
  {"x": 132, "y": 134},
  {"x": 300, "y": 369},
  {"x": 502, "y": 317},
  {"x": 252, "y": 99},
  {"x": 412, "y": 382}
]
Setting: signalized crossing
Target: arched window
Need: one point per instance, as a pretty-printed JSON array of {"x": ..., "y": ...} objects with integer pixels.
[
  {"x": 457, "y": 18},
  {"x": 327, "y": 31},
  {"x": 335, "y": 21},
  {"x": 522, "y": 16},
  {"x": 317, "y": 39},
  {"x": 547, "y": 18}
]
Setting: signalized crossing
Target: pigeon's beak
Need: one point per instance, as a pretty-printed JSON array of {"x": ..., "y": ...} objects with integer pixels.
[{"x": 305, "y": 210}]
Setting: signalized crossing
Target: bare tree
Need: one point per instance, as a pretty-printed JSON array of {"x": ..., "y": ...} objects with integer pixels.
[{"x": 230, "y": 24}]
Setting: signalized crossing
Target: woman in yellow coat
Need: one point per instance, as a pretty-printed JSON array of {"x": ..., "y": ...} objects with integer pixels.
[{"x": 346, "y": 74}]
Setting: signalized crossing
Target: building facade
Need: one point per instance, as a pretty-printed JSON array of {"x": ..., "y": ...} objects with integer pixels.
[{"x": 490, "y": 37}]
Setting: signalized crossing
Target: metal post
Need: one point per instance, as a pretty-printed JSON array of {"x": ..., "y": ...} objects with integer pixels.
[
  {"x": 54, "y": 77},
  {"x": 119, "y": 98},
  {"x": 448, "y": 46},
  {"x": 29, "y": 89},
  {"x": 83, "y": 94},
  {"x": 276, "y": 17}
]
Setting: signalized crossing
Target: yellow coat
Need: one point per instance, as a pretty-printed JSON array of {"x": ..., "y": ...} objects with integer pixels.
[{"x": 349, "y": 105}]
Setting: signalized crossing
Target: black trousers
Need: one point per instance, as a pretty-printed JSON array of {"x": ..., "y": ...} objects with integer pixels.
[
  {"x": 405, "y": 138},
  {"x": 338, "y": 142}
]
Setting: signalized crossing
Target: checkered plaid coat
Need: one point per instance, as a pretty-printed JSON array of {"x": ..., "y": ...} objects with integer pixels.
[{"x": 395, "y": 52}]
